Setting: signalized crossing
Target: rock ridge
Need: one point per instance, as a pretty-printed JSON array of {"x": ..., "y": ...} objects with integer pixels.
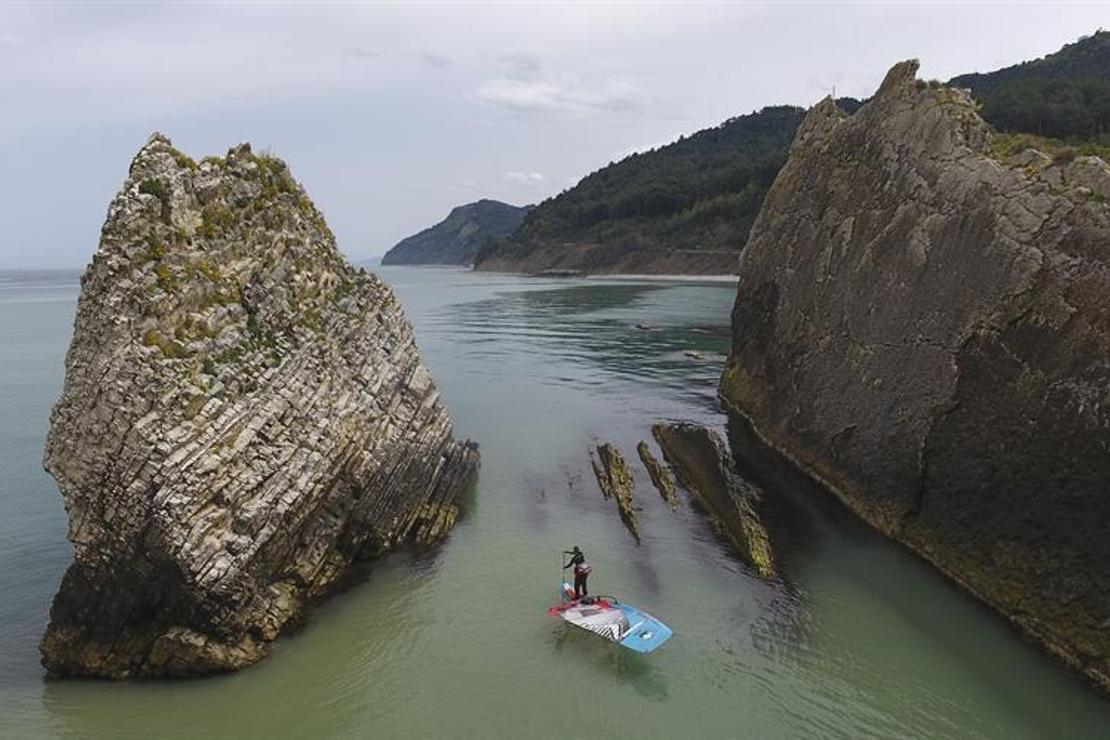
[
  {"x": 704, "y": 467},
  {"x": 614, "y": 478}
]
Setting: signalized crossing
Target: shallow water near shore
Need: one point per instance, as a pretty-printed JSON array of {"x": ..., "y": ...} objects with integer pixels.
[{"x": 860, "y": 638}]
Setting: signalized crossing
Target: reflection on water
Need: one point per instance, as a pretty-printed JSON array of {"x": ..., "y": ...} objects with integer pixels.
[
  {"x": 859, "y": 638},
  {"x": 610, "y": 661},
  {"x": 631, "y": 332}
]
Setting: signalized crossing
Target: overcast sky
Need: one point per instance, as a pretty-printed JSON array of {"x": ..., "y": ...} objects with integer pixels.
[{"x": 390, "y": 114}]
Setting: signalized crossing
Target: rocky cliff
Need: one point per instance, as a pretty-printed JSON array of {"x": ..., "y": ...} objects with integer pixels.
[
  {"x": 923, "y": 325},
  {"x": 456, "y": 239},
  {"x": 244, "y": 415}
]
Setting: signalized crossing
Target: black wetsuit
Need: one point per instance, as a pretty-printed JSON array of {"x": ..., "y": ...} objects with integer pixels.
[{"x": 578, "y": 558}]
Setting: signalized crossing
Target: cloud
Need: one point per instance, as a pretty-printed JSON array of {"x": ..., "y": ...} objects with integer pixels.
[
  {"x": 433, "y": 59},
  {"x": 465, "y": 185},
  {"x": 524, "y": 178},
  {"x": 520, "y": 65},
  {"x": 571, "y": 96},
  {"x": 360, "y": 53},
  {"x": 523, "y": 87}
]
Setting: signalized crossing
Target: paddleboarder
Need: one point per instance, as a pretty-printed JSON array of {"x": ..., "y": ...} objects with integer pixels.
[{"x": 581, "y": 571}]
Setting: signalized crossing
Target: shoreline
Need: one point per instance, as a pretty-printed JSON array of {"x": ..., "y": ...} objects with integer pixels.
[
  {"x": 669, "y": 278},
  {"x": 629, "y": 276}
]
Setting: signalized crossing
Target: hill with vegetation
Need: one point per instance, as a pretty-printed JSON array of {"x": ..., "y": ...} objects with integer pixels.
[
  {"x": 698, "y": 196},
  {"x": 688, "y": 207},
  {"x": 456, "y": 239},
  {"x": 704, "y": 189},
  {"x": 1065, "y": 95}
]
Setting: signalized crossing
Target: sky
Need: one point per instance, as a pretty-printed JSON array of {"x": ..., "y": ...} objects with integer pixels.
[{"x": 390, "y": 114}]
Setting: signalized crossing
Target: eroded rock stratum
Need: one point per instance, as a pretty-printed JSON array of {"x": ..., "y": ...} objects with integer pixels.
[
  {"x": 244, "y": 415},
  {"x": 926, "y": 329}
]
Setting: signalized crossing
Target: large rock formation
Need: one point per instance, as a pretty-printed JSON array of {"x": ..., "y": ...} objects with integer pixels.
[
  {"x": 456, "y": 239},
  {"x": 926, "y": 330},
  {"x": 244, "y": 415}
]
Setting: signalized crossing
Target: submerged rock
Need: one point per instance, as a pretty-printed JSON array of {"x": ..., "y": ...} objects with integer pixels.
[
  {"x": 660, "y": 476},
  {"x": 244, "y": 414},
  {"x": 615, "y": 480},
  {"x": 704, "y": 467},
  {"x": 921, "y": 325}
]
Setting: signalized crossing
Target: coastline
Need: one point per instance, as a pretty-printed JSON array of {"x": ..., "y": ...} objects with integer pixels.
[{"x": 631, "y": 276}]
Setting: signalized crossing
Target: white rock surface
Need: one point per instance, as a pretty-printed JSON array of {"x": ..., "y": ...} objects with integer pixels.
[{"x": 244, "y": 415}]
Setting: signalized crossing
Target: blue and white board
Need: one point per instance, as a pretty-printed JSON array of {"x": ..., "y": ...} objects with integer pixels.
[
  {"x": 645, "y": 632},
  {"x": 620, "y": 623}
]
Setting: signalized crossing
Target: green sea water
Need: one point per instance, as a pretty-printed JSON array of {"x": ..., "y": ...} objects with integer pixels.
[{"x": 859, "y": 639}]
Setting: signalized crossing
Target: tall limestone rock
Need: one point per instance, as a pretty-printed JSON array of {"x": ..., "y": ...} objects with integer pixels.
[
  {"x": 923, "y": 325},
  {"x": 244, "y": 415}
]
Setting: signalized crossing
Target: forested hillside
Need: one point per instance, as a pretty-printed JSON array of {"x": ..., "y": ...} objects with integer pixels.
[
  {"x": 688, "y": 206},
  {"x": 1065, "y": 95},
  {"x": 701, "y": 192}
]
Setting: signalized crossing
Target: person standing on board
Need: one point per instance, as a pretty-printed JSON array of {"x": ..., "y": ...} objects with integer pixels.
[{"x": 581, "y": 571}]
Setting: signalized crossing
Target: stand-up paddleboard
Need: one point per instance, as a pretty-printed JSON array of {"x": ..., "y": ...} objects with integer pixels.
[{"x": 620, "y": 623}]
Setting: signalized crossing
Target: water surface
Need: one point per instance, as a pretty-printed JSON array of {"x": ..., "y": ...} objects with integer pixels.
[{"x": 860, "y": 638}]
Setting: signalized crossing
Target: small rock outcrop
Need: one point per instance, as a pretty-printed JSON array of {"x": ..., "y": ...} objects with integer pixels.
[
  {"x": 615, "y": 480},
  {"x": 923, "y": 325},
  {"x": 702, "y": 463},
  {"x": 244, "y": 415},
  {"x": 660, "y": 476}
]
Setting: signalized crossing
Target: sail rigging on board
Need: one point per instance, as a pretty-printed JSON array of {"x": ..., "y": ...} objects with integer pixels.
[{"x": 623, "y": 624}]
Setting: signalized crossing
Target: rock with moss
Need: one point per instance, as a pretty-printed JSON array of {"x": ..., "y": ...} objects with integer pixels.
[
  {"x": 615, "y": 481},
  {"x": 244, "y": 416},
  {"x": 921, "y": 325},
  {"x": 704, "y": 467},
  {"x": 660, "y": 476}
]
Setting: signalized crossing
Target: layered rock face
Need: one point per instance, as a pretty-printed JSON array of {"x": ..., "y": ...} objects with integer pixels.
[
  {"x": 702, "y": 463},
  {"x": 244, "y": 415},
  {"x": 926, "y": 330},
  {"x": 615, "y": 481}
]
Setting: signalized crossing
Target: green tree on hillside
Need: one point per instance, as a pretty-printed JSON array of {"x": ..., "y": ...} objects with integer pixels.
[{"x": 701, "y": 192}]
